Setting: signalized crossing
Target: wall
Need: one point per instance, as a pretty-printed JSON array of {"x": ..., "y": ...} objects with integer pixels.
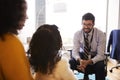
[{"x": 113, "y": 16}]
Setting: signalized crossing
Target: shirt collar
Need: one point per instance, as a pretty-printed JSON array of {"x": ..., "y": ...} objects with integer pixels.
[{"x": 90, "y": 33}]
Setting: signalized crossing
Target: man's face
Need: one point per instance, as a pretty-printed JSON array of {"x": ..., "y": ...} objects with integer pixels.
[{"x": 87, "y": 25}]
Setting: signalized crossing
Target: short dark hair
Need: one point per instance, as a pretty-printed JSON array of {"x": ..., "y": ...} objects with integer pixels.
[
  {"x": 11, "y": 12},
  {"x": 44, "y": 48},
  {"x": 88, "y": 16}
]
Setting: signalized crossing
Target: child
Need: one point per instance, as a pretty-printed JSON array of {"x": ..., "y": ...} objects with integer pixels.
[{"x": 45, "y": 56}]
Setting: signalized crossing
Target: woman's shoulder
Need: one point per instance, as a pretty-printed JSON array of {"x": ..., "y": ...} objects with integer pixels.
[
  {"x": 10, "y": 38},
  {"x": 11, "y": 44},
  {"x": 14, "y": 40}
]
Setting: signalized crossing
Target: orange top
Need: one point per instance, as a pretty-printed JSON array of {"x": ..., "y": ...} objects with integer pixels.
[{"x": 13, "y": 61}]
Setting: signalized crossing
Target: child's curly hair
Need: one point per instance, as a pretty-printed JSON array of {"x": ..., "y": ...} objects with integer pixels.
[{"x": 44, "y": 48}]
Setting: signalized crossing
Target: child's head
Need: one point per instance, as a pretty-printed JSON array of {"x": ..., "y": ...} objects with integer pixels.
[{"x": 44, "y": 48}]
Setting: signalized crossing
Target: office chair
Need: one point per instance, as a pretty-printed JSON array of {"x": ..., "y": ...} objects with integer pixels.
[
  {"x": 105, "y": 62},
  {"x": 117, "y": 66},
  {"x": 113, "y": 47}
]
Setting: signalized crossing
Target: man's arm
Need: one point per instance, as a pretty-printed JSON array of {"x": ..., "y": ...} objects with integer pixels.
[
  {"x": 76, "y": 46},
  {"x": 101, "y": 46}
]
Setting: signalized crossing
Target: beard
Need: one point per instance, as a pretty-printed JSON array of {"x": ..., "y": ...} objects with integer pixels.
[{"x": 87, "y": 30}]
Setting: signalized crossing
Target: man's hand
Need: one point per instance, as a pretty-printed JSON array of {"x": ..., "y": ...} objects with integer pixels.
[{"x": 83, "y": 64}]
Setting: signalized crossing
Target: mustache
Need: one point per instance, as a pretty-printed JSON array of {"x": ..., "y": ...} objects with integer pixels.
[{"x": 87, "y": 30}]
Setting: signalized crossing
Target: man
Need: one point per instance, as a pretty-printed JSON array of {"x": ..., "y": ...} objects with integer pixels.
[{"x": 89, "y": 60}]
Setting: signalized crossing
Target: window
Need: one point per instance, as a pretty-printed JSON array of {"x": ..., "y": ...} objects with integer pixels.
[{"x": 66, "y": 14}]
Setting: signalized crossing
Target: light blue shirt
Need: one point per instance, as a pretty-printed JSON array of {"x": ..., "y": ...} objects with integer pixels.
[{"x": 98, "y": 44}]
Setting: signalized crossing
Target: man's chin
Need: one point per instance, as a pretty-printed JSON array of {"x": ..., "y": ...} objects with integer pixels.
[{"x": 86, "y": 31}]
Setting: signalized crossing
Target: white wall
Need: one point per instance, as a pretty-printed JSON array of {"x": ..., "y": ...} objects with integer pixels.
[
  {"x": 29, "y": 27},
  {"x": 113, "y": 16}
]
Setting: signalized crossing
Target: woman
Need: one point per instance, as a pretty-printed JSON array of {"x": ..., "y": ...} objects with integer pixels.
[
  {"x": 45, "y": 57},
  {"x": 14, "y": 64}
]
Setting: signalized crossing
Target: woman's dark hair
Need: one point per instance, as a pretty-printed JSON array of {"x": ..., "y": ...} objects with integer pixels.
[
  {"x": 11, "y": 12},
  {"x": 88, "y": 16},
  {"x": 44, "y": 48}
]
